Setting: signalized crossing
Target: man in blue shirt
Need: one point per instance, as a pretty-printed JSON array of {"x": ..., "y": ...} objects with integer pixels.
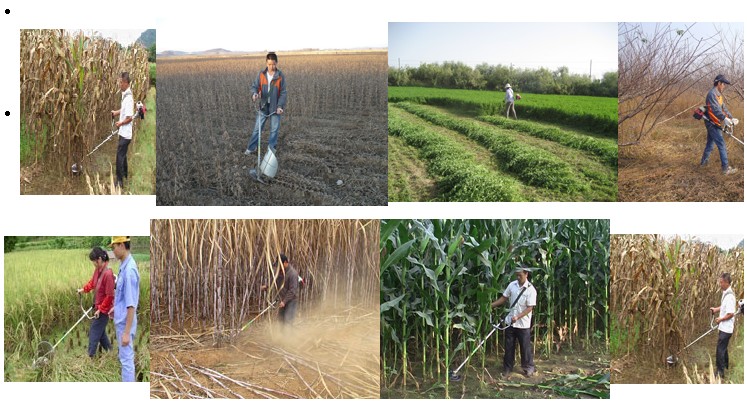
[
  {"x": 715, "y": 118},
  {"x": 126, "y": 297}
]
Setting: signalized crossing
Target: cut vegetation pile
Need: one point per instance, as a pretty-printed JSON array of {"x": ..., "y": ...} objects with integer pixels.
[
  {"x": 503, "y": 159},
  {"x": 208, "y": 289}
]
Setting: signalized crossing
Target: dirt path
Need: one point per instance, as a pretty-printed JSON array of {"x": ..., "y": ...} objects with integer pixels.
[{"x": 408, "y": 177}]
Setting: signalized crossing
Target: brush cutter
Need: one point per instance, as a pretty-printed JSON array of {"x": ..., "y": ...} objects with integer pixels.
[
  {"x": 672, "y": 360},
  {"x": 269, "y": 164},
  {"x": 502, "y": 325},
  {"x": 45, "y": 350},
  {"x": 271, "y": 306},
  {"x": 729, "y": 130}
]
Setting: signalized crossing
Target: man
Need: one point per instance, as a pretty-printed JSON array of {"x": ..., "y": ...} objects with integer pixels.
[
  {"x": 102, "y": 282},
  {"x": 520, "y": 320},
  {"x": 269, "y": 88},
  {"x": 126, "y": 297},
  {"x": 716, "y": 116},
  {"x": 288, "y": 282},
  {"x": 125, "y": 112},
  {"x": 510, "y": 101},
  {"x": 725, "y": 322}
]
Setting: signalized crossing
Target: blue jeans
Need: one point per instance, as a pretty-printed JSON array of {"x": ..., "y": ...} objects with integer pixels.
[
  {"x": 715, "y": 137},
  {"x": 259, "y": 125},
  {"x": 98, "y": 335},
  {"x": 126, "y": 356}
]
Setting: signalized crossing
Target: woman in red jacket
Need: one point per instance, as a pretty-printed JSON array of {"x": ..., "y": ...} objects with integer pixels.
[{"x": 102, "y": 282}]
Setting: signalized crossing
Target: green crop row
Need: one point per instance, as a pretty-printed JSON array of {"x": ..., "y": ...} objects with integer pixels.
[
  {"x": 595, "y": 114},
  {"x": 532, "y": 165},
  {"x": 458, "y": 177},
  {"x": 605, "y": 149}
]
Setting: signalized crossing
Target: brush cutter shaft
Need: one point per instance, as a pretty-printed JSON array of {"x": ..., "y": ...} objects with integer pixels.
[
  {"x": 85, "y": 314},
  {"x": 495, "y": 327},
  {"x": 258, "y": 316}
]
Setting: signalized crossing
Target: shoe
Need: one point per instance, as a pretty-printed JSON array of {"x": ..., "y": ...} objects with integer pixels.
[
  {"x": 529, "y": 373},
  {"x": 506, "y": 373},
  {"x": 249, "y": 152},
  {"x": 729, "y": 170}
]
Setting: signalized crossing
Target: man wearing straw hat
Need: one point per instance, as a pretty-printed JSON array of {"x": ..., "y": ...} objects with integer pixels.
[
  {"x": 725, "y": 322},
  {"x": 126, "y": 297},
  {"x": 522, "y": 295}
]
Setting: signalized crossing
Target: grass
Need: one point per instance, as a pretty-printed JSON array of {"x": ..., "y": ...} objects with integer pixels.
[
  {"x": 592, "y": 113},
  {"x": 142, "y": 155},
  {"x": 458, "y": 176},
  {"x": 408, "y": 179},
  {"x": 40, "y": 303}
]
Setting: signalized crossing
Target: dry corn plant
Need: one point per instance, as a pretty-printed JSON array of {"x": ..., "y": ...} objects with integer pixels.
[
  {"x": 206, "y": 301},
  {"x": 68, "y": 88},
  {"x": 662, "y": 290}
]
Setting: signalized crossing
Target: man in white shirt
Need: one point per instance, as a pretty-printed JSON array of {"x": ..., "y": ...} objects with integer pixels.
[
  {"x": 725, "y": 322},
  {"x": 125, "y": 112},
  {"x": 520, "y": 314},
  {"x": 510, "y": 101}
]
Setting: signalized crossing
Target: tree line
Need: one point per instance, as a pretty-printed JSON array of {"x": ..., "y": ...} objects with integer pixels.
[{"x": 457, "y": 75}]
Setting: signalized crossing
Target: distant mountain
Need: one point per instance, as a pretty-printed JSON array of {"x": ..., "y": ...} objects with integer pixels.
[
  {"x": 740, "y": 244},
  {"x": 171, "y": 53},
  {"x": 214, "y": 51},
  {"x": 147, "y": 38}
]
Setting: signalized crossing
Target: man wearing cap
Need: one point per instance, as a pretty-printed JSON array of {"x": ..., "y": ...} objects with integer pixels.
[
  {"x": 510, "y": 101},
  {"x": 269, "y": 88},
  {"x": 725, "y": 322},
  {"x": 126, "y": 297},
  {"x": 716, "y": 116},
  {"x": 519, "y": 319},
  {"x": 125, "y": 113}
]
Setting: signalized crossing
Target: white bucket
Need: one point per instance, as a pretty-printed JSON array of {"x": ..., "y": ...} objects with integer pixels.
[{"x": 269, "y": 165}]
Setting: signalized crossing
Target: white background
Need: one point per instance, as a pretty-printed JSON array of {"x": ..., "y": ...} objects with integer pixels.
[{"x": 94, "y": 215}]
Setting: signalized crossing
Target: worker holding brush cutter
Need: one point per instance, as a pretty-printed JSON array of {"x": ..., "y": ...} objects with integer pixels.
[
  {"x": 126, "y": 114},
  {"x": 523, "y": 296},
  {"x": 725, "y": 322},
  {"x": 126, "y": 298},
  {"x": 269, "y": 88},
  {"x": 290, "y": 281},
  {"x": 716, "y": 115},
  {"x": 102, "y": 282}
]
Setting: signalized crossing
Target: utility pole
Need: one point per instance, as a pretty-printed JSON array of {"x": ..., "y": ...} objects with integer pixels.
[
  {"x": 589, "y": 70},
  {"x": 399, "y": 66}
]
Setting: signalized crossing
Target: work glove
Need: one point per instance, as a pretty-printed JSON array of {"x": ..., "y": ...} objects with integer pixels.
[
  {"x": 508, "y": 320},
  {"x": 735, "y": 120},
  {"x": 728, "y": 122}
]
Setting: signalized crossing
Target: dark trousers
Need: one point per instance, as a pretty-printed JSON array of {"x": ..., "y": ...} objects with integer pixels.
[
  {"x": 122, "y": 159},
  {"x": 97, "y": 335},
  {"x": 722, "y": 353},
  {"x": 524, "y": 338},
  {"x": 288, "y": 313}
]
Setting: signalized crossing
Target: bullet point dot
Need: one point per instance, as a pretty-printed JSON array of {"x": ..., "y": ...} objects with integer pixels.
[
  {"x": 7, "y": 11},
  {"x": 7, "y": 113}
]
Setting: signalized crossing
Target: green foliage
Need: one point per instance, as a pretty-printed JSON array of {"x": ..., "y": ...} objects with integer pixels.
[
  {"x": 530, "y": 164},
  {"x": 438, "y": 278},
  {"x": 494, "y": 77},
  {"x": 9, "y": 244},
  {"x": 597, "y": 115},
  {"x": 152, "y": 55},
  {"x": 458, "y": 176},
  {"x": 152, "y": 73},
  {"x": 604, "y": 149}
]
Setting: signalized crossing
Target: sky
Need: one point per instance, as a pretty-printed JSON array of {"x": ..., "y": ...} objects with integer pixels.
[
  {"x": 124, "y": 37},
  {"x": 525, "y": 45},
  {"x": 723, "y": 241},
  {"x": 296, "y": 31}
]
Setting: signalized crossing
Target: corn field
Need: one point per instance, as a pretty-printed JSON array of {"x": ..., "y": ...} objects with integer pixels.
[
  {"x": 68, "y": 88},
  {"x": 662, "y": 290},
  {"x": 438, "y": 278}
]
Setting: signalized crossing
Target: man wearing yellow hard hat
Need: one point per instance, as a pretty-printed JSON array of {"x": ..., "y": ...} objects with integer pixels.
[{"x": 126, "y": 297}]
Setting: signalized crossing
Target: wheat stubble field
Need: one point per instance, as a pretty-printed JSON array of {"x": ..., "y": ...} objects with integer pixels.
[{"x": 334, "y": 129}]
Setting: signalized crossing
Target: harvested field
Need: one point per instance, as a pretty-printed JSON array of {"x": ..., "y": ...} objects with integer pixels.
[{"x": 334, "y": 128}]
